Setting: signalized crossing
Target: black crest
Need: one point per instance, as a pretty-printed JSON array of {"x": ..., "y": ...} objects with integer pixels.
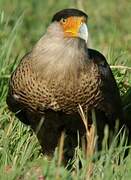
[{"x": 65, "y": 13}]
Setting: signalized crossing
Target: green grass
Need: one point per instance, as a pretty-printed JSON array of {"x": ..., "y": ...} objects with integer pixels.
[{"x": 22, "y": 23}]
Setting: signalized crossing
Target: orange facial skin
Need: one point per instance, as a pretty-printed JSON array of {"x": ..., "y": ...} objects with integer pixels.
[{"x": 71, "y": 25}]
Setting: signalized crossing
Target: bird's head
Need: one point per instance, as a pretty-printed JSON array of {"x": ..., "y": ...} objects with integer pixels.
[{"x": 73, "y": 23}]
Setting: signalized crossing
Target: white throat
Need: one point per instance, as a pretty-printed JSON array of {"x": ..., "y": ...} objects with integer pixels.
[{"x": 55, "y": 56}]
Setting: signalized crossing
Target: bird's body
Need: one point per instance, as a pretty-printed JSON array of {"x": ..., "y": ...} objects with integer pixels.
[{"x": 58, "y": 75}]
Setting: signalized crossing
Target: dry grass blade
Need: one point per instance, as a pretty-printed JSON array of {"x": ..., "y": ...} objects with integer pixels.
[
  {"x": 90, "y": 150},
  {"x": 91, "y": 142},
  {"x": 10, "y": 126},
  {"x": 60, "y": 155},
  {"x": 40, "y": 125},
  {"x": 84, "y": 118},
  {"x": 121, "y": 67}
]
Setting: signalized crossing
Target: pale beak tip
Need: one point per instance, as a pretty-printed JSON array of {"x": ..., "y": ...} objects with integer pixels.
[{"x": 83, "y": 32}]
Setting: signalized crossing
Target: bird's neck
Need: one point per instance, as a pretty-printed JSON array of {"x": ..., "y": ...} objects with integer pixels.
[{"x": 55, "y": 57}]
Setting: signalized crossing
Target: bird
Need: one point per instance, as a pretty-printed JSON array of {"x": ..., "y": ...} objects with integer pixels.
[{"x": 57, "y": 76}]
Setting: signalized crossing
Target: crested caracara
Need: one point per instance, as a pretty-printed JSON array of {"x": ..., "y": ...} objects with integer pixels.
[{"x": 59, "y": 74}]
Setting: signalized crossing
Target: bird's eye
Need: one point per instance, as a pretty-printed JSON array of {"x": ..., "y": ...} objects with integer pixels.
[{"x": 63, "y": 20}]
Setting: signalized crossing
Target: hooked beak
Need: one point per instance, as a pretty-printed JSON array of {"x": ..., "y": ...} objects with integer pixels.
[{"x": 83, "y": 32}]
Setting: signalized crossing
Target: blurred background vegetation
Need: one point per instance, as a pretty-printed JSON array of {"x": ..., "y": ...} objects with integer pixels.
[
  {"x": 109, "y": 22},
  {"x": 22, "y": 23}
]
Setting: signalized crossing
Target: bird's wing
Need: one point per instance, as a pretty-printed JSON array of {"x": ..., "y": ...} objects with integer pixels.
[
  {"x": 16, "y": 84},
  {"x": 109, "y": 87}
]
